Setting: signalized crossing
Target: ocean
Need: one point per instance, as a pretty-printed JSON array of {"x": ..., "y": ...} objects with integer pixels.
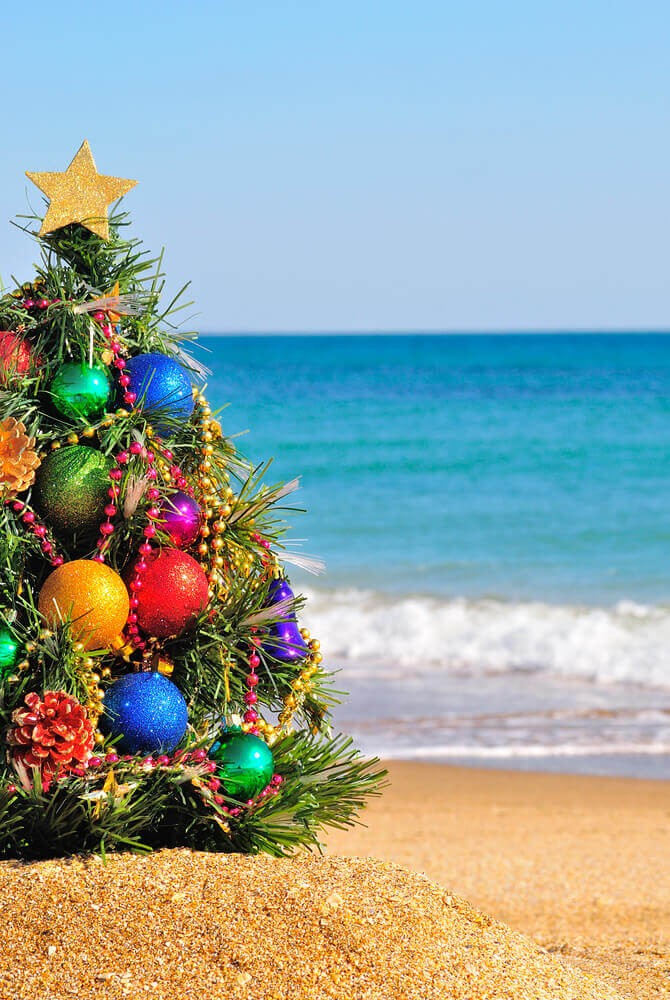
[{"x": 494, "y": 514}]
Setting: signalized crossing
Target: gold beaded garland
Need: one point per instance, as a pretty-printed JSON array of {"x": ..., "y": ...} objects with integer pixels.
[
  {"x": 300, "y": 685},
  {"x": 90, "y": 679},
  {"x": 211, "y": 559},
  {"x": 88, "y": 432}
]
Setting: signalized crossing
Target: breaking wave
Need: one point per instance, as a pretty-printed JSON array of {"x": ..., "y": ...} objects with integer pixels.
[{"x": 387, "y": 635}]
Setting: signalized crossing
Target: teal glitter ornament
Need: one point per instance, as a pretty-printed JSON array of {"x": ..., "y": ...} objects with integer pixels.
[
  {"x": 244, "y": 764},
  {"x": 78, "y": 390},
  {"x": 72, "y": 488},
  {"x": 9, "y": 651}
]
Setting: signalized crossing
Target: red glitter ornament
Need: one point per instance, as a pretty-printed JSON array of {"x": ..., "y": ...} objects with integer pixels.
[
  {"x": 53, "y": 734},
  {"x": 172, "y": 593},
  {"x": 15, "y": 356}
]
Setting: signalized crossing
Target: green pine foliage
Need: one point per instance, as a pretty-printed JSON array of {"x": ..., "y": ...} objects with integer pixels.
[{"x": 128, "y": 803}]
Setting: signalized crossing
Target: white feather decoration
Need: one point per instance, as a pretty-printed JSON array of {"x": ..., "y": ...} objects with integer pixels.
[
  {"x": 129, "y": 304},
  {"x": 199, "y": 370},
  {"x": 134, "y": 492},
  {"x": 273, "y": 611},
  {"x": 303, "y": 560},
  {"x": 265, "y": 499}
]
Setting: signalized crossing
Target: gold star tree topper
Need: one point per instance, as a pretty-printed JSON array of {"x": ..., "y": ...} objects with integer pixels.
[{"x": 81, "y": 194}]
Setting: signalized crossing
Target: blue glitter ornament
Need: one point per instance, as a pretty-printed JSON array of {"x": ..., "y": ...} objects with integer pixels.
[
  {"x": 285, "y": 642},
  {"x": 147, "y": 711},
  {"x": 161, "y": 386}
]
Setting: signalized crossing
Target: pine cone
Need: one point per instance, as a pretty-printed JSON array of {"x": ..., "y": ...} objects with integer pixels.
[
  {"x": 18, "y": 459},
  {"x": 53, "y": 735}
]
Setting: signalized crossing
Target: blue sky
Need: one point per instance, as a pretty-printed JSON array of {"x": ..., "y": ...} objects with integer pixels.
[{"x": 365, "y": 165}]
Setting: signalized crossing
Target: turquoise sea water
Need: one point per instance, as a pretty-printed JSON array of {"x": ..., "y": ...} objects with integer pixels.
[{"x": 494, "y": 512}]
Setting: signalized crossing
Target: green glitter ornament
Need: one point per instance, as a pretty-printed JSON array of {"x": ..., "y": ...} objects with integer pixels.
[
  {"x": 9, "y": 651},
  {"x": 72, "y": 488},
  {"x": 80, "y": 391},
  {"x": 244, "y": 764}
]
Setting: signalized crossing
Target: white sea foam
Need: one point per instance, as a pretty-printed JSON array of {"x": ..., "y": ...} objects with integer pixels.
[{"x": 386, "y": 635}]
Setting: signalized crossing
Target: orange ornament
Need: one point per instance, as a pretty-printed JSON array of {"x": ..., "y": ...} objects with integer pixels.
[
  {"x": 18, "y": 459},
  {"x": 91, "y": 596}
]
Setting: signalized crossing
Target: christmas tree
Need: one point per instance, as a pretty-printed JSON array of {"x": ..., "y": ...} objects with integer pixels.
[{"x": 156, "y": 688}]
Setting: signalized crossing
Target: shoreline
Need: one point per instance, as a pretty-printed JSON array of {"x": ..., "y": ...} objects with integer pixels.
[
  {"x": 577, "y": 862},
  {"x": 545, "y": 764}
]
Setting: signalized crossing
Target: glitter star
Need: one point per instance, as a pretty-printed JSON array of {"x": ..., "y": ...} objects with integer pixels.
[{"x": 80, "y": 194}]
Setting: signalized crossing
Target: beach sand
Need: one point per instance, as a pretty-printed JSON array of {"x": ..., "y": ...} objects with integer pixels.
[
  {"x": 580, "y": 864},
  {"x": 186, "y": 926}
]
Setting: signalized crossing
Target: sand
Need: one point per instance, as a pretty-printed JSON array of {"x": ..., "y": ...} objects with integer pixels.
[
  {"x": 181, "y": 926},
  {"x": 580, "y": 864}
]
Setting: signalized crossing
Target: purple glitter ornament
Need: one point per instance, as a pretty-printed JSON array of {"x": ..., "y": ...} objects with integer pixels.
[
  {"x": 285, "y": 642},
  {"x": 180, "y": 518}
]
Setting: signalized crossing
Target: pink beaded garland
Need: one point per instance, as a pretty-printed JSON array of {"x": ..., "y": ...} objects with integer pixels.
[{"x": 37, "y": 528}]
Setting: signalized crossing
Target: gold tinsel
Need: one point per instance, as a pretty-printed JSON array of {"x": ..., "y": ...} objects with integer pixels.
[{"x": 18, "y": 459}]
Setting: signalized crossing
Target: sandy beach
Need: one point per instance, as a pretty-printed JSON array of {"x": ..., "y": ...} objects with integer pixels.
[
  {"x": 578, "y": 863},
  {"x": 182, "y": 925}
]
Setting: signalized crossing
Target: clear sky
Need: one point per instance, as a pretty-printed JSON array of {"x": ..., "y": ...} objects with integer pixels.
[{"x": 363, "y": 165}]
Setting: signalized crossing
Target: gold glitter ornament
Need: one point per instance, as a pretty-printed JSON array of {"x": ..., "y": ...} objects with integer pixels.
[
  {"x": 92, "y": 596},
  {"x": 18, "y": 459},
  {"x": 80, "y": 194}
]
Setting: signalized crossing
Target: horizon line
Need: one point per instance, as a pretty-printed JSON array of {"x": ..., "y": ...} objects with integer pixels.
[{"x": 493, "y": 332}]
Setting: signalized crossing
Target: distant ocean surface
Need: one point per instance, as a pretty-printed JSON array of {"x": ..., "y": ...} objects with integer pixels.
[{"x": 494, "y": 512}]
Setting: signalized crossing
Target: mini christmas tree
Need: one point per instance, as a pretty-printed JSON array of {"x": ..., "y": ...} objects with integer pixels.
[{"x": 156, "y": 688}]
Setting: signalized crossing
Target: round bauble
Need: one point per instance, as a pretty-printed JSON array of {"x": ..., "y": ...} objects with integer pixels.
[
  {"x": 9, "y": 651},
  {"x": 244, "y": 764},
  {"x": 15, "y": 356},
  {"x": 180, "y": 519},
  {"x": 147, "y": 711},
  {"x": 162, "y": 387},
  {"x": 73, "y": 488},
  {"x": 78, "y": 390},
  {"x": 285, "y": 642},
  {"x": 174, "y": 592},
  {"x": 90, "y": 595}
]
